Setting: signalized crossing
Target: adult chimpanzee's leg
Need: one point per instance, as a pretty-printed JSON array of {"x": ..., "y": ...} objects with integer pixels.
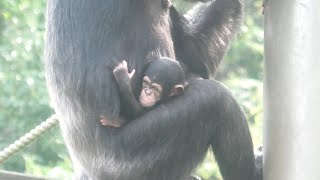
[
  {"x": 231, "y": 143},
  {"x": 168, "y": 142}
]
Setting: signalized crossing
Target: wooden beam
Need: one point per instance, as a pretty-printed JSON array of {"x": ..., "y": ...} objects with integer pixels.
[{"x": 6, "y": 175}]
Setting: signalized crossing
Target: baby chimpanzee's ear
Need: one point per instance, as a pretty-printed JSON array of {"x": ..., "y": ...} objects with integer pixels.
[{"x": 176, "y": 90}]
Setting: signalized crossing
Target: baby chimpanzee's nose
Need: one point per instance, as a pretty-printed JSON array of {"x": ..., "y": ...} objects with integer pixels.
[{"x": 148, "y": 91}]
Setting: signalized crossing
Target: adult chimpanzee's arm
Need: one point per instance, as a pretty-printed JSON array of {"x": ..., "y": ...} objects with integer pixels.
[
  {"x": 202, "y": 37},
  {"x": 177, "y": 136}
]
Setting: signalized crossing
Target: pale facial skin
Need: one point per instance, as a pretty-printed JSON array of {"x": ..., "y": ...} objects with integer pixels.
[{"x": 150, "y": 93}]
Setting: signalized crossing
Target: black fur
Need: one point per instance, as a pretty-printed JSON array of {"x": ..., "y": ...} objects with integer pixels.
[
  {"x": 86, "y": 39},
  {"x": 167, "y": 73},
  {"x": 164, "y": 71}
]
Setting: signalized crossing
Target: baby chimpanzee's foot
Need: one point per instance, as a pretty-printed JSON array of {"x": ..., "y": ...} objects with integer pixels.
[{"x": 105, "y": 122}]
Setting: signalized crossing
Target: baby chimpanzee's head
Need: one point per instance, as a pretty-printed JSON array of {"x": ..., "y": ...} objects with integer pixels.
[{"x": 162, "y": 78}]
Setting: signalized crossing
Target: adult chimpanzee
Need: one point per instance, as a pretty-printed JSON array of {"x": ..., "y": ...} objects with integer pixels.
[
  {"x": 163, "y": 78},
  {"x": 85, "y": 39}
]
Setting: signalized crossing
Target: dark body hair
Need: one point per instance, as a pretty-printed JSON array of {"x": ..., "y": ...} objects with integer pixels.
[
  {"x": 163, "y": 78},
  {"x": 85, "y": 39}
]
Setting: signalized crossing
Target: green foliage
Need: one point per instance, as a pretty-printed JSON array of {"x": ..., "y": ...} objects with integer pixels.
[
  {"x": 24, "y": 101},
  {"x": 23, "y": 95}
]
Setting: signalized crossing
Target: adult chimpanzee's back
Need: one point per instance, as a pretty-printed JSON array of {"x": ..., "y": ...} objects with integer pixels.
[{"x": 86, "y": 39}]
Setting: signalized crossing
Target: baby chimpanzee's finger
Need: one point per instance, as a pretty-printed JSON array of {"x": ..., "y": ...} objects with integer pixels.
[
  {"x": 132, "y": 73},
  {"x": 125, "y": 64}
]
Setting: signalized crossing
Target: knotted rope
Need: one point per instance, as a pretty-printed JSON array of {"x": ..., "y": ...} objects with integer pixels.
[{"x": 28, "y": 138}]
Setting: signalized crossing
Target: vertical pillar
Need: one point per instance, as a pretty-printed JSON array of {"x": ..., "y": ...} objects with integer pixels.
[{"x": 292, "y": 90}]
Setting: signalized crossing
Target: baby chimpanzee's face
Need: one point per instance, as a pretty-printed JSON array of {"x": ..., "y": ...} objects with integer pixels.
[{"x": 151, "y": 92}]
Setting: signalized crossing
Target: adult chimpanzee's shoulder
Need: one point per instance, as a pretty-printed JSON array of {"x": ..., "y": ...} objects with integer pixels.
[{"x": 210, "y": 90}]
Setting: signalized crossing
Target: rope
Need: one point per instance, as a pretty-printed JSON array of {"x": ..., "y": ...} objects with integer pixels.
[{"x": 28, "y": 138}]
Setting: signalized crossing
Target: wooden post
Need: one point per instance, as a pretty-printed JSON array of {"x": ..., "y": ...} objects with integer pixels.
[{"x": 292, "y": 90}]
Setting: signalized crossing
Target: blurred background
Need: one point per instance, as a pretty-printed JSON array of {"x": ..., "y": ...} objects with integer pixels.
[{"x": 24, "y": 101}]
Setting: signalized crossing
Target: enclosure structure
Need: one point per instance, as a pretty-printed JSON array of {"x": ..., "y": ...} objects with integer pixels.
[
  {"x": 292, "y": 90},
  {"x": 5, "y": 175}
]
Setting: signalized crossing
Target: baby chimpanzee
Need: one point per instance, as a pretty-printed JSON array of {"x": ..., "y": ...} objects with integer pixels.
[{"x": 163, "y": 78}]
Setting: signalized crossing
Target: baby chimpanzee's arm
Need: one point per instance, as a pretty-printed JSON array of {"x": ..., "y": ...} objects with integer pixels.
[{"x": 129, "y": 104}]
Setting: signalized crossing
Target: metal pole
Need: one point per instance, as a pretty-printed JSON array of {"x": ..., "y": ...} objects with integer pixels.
[{"x": 292, "y": 90}]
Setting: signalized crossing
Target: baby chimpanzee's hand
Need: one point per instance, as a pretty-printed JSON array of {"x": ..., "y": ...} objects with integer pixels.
[
  {"x": 115, "y": 124},
  {"x": 123, "y": 66}
]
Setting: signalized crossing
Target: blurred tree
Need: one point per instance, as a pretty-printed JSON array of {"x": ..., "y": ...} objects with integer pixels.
[
  {"x": 23, "y": 95},
  {"x": 24, "y": 100}
]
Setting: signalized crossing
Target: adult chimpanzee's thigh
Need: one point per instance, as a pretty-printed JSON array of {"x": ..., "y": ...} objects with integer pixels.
[{"x": 168, "y": 142}]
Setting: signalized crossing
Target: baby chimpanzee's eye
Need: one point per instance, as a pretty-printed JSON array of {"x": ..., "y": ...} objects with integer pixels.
[
  {"x": 154, "y": 89},
  {"x": 157, "y": 88}
]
